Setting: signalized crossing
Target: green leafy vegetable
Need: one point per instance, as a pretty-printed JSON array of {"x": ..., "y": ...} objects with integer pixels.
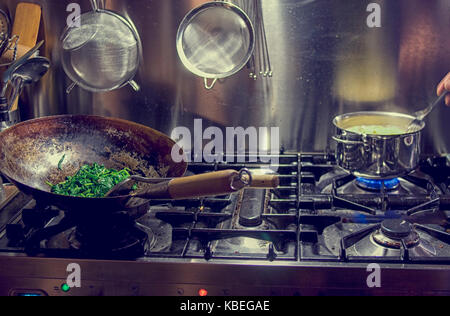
[
  {"x": 61, "y": 162},
  {"x": 91, "y": 181}
]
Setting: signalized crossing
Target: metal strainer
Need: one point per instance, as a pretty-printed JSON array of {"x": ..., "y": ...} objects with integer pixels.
[
  {"x": 215, "y": 40},
  {"x": 103, "y": 53}
]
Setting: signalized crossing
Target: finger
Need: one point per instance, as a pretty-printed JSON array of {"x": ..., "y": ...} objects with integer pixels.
[
  {"x": 444, "y": 85},
  {"x": 447, "y": 100}
]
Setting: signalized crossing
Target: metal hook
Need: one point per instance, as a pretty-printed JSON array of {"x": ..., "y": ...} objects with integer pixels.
[
  {"x": 210, "y": 86},
  {"x": 244, "y": 179}
]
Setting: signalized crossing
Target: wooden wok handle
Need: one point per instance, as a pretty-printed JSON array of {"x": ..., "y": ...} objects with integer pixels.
[
  {"x": 204, "y": 185},
  {"x": 265, "y": 181},
  {"x": 208, "y": 184}
]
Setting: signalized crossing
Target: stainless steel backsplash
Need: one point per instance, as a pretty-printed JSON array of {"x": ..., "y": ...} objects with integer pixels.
[{"x": 326, "y": 62}]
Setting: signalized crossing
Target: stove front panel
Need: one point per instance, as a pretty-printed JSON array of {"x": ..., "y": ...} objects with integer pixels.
[{"x": 39, "y": 276}]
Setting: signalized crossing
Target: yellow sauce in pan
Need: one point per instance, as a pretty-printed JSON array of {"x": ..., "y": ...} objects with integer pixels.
[{"x": 384, "y": 130}]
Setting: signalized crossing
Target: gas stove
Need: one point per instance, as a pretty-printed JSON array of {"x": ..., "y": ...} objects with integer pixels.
[
  {"x": 319, "y": 232},
  {"x": 344, "y": 218}
]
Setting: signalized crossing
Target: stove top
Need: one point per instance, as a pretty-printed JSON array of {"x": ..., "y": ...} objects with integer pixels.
[
  {"x": 252, "y": 224},
  {"x": 320, "y": 217},
  {"x": 342, "y": 219}
]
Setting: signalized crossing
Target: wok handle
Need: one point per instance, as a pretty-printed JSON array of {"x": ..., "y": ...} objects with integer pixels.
[
  {"x": 219, "y": 183},
  {"x": 265, "y": 181},
  {"x": 208, "y": 184}
]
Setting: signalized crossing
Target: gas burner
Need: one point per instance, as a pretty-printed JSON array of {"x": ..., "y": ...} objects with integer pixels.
[
  {"x": 396, "y": 232},
  {"x": 114, "y": 240},
  {"x": 252, "y": 206},
  {"x": 389, "y": 240},
  {"x": 378, "y": 185},
  {"x": 115, "y": 236},
  {"x": 159, "y": 230},
  {"x": 381, "y": 246},
  {"x": 128, "y": 239},
  {"x": 349, "y": 184},
  {"x": 263, "y": 225}
]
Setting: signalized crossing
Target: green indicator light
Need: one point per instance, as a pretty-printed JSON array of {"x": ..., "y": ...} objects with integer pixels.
[{"x": 65, "y": 288}]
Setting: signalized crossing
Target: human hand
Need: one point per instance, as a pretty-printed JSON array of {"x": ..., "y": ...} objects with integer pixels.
[{"x": 444, "y": 86}]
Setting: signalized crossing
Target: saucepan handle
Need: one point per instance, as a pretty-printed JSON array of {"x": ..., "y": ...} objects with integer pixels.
[{"x": 347, "y": 142}]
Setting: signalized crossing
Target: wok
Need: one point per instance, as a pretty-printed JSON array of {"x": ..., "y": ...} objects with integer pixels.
[{"x": 30, "y": 153}]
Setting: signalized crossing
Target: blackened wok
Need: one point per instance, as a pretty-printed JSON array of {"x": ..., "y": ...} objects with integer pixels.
[{"x": 31, "y": 154}]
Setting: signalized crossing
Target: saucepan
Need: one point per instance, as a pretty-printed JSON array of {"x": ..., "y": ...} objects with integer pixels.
[
  {"x": 375, "y": 156},
  {"x": 380, "y": 145}
]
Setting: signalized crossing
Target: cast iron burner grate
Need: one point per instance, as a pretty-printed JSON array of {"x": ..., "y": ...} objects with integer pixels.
[{"x": 113, "y": 236}]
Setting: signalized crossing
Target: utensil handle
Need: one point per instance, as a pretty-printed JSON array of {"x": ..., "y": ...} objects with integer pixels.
[
  {"x": 208, "y": 184},
  {"x": 70, "y": 87},
  {"x": 94, "y": 5},
  {"x": 18, "y": 86},
  {"x": 422, "y": 114},
  {"x": 256, "y": 182},
  {"x": 7, "y": 74},
  {"x": 265, "y": 181},
  {"x": 134, "y": 85}
]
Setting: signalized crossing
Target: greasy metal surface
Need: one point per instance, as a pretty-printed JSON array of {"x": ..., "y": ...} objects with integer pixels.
[
  {"x": 7, "y": 193},
  {"x": 326, "y": 62},
  {"x": 31, "y": 151}
]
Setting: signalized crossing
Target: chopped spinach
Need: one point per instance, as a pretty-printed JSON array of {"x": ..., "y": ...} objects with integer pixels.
[{"x": 91, "y": 181}]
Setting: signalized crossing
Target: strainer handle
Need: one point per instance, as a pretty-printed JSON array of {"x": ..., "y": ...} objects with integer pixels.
[
  {"x": 95, "y": 5},
  {"x": 134, "y": 85},
  {"x": 209, "y": 86}
]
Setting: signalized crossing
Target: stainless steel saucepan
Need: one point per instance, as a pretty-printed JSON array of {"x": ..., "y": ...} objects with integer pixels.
[
  {"x": 374, "y": 156},
  {"x": 380, "y": 145}
]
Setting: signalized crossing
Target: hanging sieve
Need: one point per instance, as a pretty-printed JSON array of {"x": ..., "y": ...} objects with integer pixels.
[
  {"x": 215, "y": 41},
  {"x": 101, "y": 51}
]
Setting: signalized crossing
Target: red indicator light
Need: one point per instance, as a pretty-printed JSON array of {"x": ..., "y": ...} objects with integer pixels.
[{"x": 202, "y": 292}]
